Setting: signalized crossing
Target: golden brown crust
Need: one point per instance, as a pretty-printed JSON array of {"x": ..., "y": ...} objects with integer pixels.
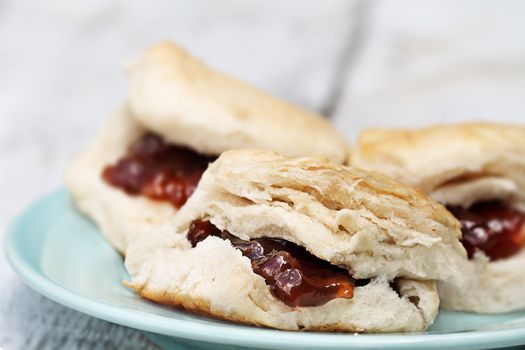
[
  {"x": 363, "y": 221},
  {"x": 201, "y": 307},
  {"x": 194, "y": 305},
  {"x": 432, "y": 156},
  {"x": 189, "y": 103}
]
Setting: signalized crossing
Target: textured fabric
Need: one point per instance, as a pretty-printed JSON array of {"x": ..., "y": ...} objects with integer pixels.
[{"x": 31, "y": 321}]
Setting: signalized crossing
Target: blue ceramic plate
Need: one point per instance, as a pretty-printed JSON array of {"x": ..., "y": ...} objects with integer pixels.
[{"x": 60, "y": 254}]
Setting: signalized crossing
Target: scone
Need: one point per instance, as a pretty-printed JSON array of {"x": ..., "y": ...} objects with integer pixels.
[
  {"x": 478, "y": 171},
  {"x": 302, "y": 244},
  {"x": 181, "y": 115}
]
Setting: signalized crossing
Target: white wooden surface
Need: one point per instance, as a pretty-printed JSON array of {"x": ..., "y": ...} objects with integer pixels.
[
  {"x": 365, "y": 63},
  {"x": 425, "y": 62}
]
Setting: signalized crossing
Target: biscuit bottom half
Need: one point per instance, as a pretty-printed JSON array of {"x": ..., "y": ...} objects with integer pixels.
[
  {"x": 494, "y": 237},
  {"x": 216, "y": 279}
]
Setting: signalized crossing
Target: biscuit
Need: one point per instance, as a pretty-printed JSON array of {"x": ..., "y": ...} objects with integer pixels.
[
  {"x": 461, "y": 165},
  {"x": 365, "y": 223},
  {"x": 188, "y": 104}
]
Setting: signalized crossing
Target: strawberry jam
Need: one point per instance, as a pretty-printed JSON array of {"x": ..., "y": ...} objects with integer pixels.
[
  {"x": 295, "y": 276},
  {"x": 491, "y": 227},
  {"x": 158, "y": 170}
]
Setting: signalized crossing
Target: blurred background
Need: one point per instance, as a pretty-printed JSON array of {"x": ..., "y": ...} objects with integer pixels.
[{"x": 360, "y": 63}]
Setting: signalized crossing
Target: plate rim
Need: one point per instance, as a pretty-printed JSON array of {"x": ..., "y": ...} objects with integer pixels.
[{"x": 222, "y": 334}]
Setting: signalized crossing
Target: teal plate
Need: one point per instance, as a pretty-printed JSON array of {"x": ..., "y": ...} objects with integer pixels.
[{"x": 61, "y": 254}]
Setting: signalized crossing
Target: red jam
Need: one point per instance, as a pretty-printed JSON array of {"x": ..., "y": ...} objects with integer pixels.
[
  {"x": 491, "y": 227},
  {"x": 295, "y": 276},
  {"x": 158, "y": 170}
]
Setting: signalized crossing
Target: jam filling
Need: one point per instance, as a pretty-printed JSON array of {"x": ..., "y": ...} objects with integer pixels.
[
  {"x": 491, "y": 227},
  {"x": 158, "y": 170},
  {"x": 295, "y": 276}
]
